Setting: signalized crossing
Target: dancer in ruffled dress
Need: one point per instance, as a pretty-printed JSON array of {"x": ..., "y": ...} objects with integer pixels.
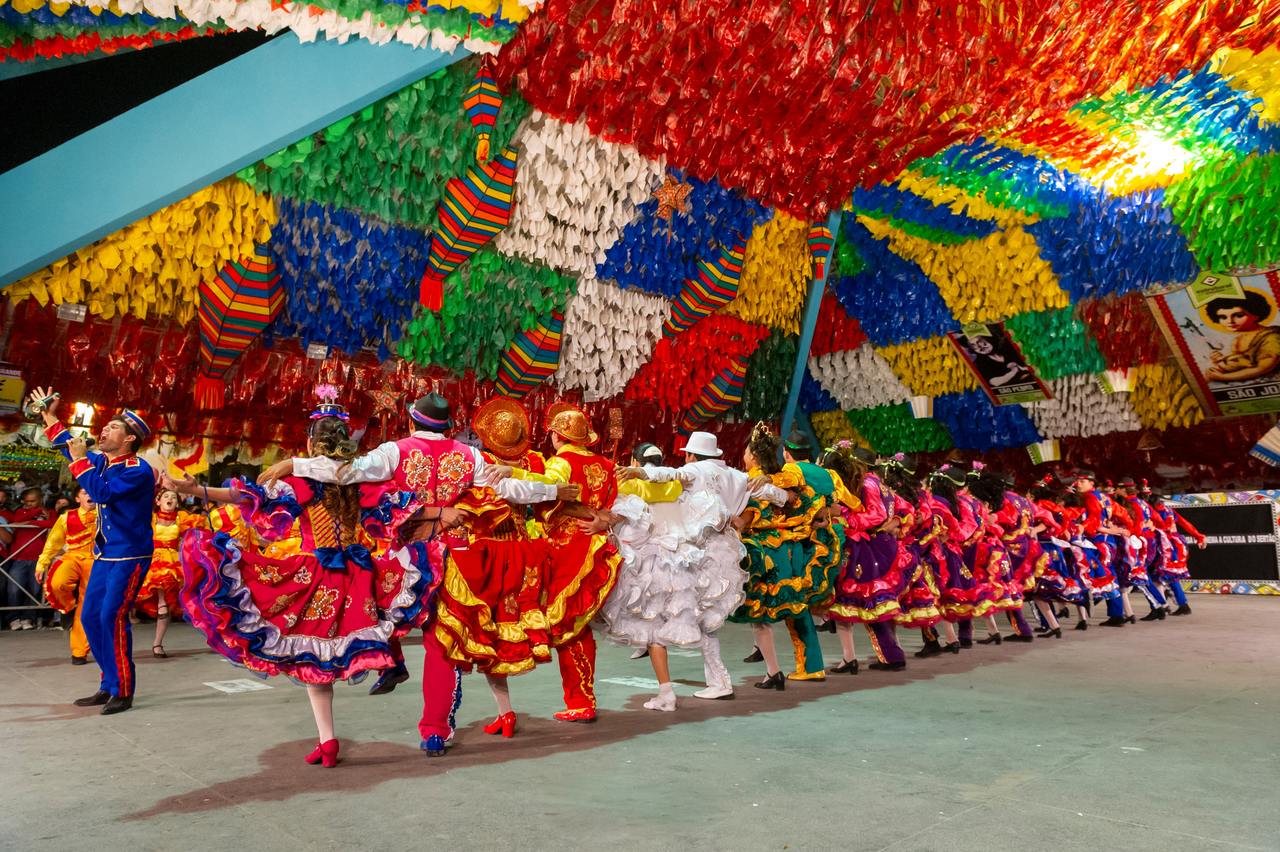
[
  {"x": 1171, "y": 568},
  {"x": 681, "y": 574},
  {"x": 985, "y": 554},
  {"x": 916, "y": 530},
  {"x": 1013, "y": 517},
  {"x": 326, "y": 612},
  {"x": 963, "y": 598},
  {"x": 1108, "y": 535},
  {"x": 158, "y": 597},
  {"x": 1142, "y": 528},
  {"x": 1060, "y": 582}
]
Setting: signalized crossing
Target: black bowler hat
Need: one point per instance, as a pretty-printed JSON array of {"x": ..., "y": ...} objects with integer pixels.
[{"x": 432, "y": 413}]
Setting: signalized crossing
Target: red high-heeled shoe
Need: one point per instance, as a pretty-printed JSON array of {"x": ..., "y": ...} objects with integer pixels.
[
  {"x": 506, "y": 724},
  {"x": 325, "y": 753}
]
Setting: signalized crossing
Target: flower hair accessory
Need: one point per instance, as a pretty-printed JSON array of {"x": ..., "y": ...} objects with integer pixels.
[
  {"x": 328, "y": 407},
  {"x": 979, "y": 466}
]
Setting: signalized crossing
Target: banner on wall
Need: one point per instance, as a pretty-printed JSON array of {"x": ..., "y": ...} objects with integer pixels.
[
  {"x": 1225, "y": 332},
  {"x": 1242, "y": 534},
  {"x": 996, "y": 359},
  {"x": 12, "y": 388}
]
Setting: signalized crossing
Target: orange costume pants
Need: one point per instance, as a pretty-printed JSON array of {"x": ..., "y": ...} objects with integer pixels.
[{"x": 64, "y": 587}]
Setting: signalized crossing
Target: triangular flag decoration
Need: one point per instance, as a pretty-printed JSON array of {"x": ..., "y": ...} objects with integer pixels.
[
  {"x": 713, "y": 288},
  {"x": 482, "y": 103},
  {"x": 723, "y": 393},
  {"x": 473, "y": 210},
  {"x": 531, "y": 358},
  {"x": 820, "y": 241},
  {"x": 1045, "y": 451},
  {"x": 1267, "y": 450},
  {"x": 234, "y": 309}
]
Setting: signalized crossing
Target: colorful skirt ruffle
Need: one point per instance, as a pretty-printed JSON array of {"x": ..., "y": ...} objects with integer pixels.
[
  {"x": 490, "y": 614},
  {"x": 1096, "y": 573},
  {"x": 919, "y": 601},
  {"x": 582, "y": 571},
  {"x": 870, "y": 583},
  {"x": 164, "y": 578},
  {"x": 1059, "y": 581},
  {"x": 1171, "y": 562},
  {"x": 294, "y": 616},
  {"x": 967, "y": 592},
  {"x": 787, "y": 578}
]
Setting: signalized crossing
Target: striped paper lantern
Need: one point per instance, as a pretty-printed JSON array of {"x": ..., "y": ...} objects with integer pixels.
[
  {"x": 482, "y": 102},
  {"x": 473, "y": 210},
  {"x": 234, "y": 308},
  {"x": 820, "y": 241},
  {"x": 531, "y": 358},
  {"x": 715, "y": 287},
  {"x": 723, "y": 393}
]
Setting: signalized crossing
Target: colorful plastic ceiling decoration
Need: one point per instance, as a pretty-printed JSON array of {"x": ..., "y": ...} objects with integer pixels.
[
  {"x": 532, "y": 358},
  {"x": 235, "y": 307},
  {"x": 38, "y": 29},
  {"x": 715, "y": 286},
  {"x": 721, "y": 394}
]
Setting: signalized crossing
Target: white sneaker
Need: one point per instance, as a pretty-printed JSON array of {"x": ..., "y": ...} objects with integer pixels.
[
  {"x": 639, "y": 653},
  {"x": 25, "y": 624},
  {"x": 665, "y": 701},
  {"x": 15, "y": 625},
  {"x": 715, "y": 693}
]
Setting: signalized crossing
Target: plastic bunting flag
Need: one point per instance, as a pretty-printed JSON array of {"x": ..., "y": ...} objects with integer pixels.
[
  {"x": 235, "y": 307},
  {"x": 723, "y": 393},
  {"x": 820, "y": 241},
  {"x": 531, "y": 358},
  {"x": 475, "y": 208},
  {"x": 715, "y": 287}
]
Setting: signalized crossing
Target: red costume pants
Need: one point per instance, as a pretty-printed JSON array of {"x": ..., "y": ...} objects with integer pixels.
[
  {"x": 577, "y": 659},
  {"x": 441, "y": 689}
]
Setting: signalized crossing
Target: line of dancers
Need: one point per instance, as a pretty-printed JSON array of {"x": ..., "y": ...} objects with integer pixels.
[{"x": 504, "y": 558}]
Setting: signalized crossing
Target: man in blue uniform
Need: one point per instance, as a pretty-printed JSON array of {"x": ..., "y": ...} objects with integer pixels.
[{"x": 123, "y": 487}]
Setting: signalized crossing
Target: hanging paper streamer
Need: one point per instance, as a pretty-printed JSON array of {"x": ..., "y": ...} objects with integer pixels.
[
  {"x": 768, "y": 376},
  {"x": 608, "y": 335},
  {"x": 891, "y": 299},
  {"x": 155, "y": 266},
  {"x": 975, "y": 424},
  {"x": 832, "y": 427},
  {"x": 235, "y": 307},
  {"x": 576, "y": 194},
  {"x": 858, "y": 378},
  {"x": 929, "y": 367},
  {"x": 1245, "y": 236},
  {"x": 721, "y": 394},
  {"x": 917, "y": 216},
  {"x": 835, "y": 331},
  {"x": 1124, "y": 331},
  {"x": 1001, "y": 177},
  {"x": 820, "y": 240},
  {"x": 685, "y": 363},
  {"x": 1045, "y": 451},
  {"x": 893, "y": 429},
  {"x": 482, "y": 102},
  {"x": 474, "y": 209},
  {"x": 776, "y": 275},
  {"x": 658, "y": 253},
  {"x": 1162, "y": 398},
  {"x": 714, "y": 287},
  {"x": 813, "y": 397},
  {"x": 962, "y": 202},
  {"x": 532, "y": 357},
  {"x": 393, "y": 159},
  {"x": 360, "y": 270},
  {"x": 1055, "y": 343},
  {"x": 1080, "y": 408}
]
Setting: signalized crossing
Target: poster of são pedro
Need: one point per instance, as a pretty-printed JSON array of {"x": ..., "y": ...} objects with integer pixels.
[{"x": 1225, "y": 332}]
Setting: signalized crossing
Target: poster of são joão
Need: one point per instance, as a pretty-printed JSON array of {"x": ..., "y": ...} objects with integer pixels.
[
  {"x": 1225, "y": 332},
  {"x": 997, "y": 361}
]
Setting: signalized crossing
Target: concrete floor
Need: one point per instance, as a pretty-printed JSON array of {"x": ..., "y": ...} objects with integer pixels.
[{"x": 1160, "y": 736}]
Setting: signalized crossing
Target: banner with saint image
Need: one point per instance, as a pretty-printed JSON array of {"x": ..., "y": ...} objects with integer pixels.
[
  {"x": 997, "y": 360},
  {"x": 1225, "y": 332}
]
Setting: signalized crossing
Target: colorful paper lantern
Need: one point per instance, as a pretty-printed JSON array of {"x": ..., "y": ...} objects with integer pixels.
[
  {"x": 723, "y": 393},
  {"x": 235, "y": 307},
  {"x": 714, "y": 287},
  {"x": 820, "y": 240},
  {"x": 531, "y": 358}
]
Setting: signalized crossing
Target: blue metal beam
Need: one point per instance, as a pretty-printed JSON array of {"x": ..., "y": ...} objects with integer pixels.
[
  {"x": 197, "y": 133},
  {"x": 811, "y": 309}
]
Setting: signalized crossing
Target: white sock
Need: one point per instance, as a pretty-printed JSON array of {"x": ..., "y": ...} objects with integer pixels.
[{"x": 666, "y": 689}]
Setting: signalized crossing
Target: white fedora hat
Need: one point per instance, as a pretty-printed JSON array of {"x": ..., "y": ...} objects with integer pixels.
[{"x": 701, "y": 444}]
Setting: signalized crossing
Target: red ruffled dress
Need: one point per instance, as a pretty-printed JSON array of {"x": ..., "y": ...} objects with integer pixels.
[
  {"x": 919, "y": 600},
  {"x": 325, "y": 610},
  {"x": 164, "y": 576}
]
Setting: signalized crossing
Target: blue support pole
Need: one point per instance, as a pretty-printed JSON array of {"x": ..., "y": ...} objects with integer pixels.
[
  {"x": 811, "y": 309},
  {"x": 184, "y": 140}
]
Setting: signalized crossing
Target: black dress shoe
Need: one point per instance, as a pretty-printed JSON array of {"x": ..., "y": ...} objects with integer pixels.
[
  {"x": 388, "y": 680},
  {"x": 828, "y": 626},
  {"x": 1082, "y": 625},
  {"x": 1154, "y": 615},
  {"x": 117, "y": 704},
  {"x": 993, "y": 639},
  {"x": 930, "y": 649},
  {"x": 887, "y": 667},
  {"x": 1062, "y": 613},
  {"x": 951, "y": 647},
  {"x": 1132, "y": 619},
  {"x": 79, "y": 661},
  {"x": 754, "y": 657},
  {"x": 1018, "y": 637},
  {"x": 777, "y": 681},
  {"x": 966, "y": 643},
  {"x": 94, "y": 700},
  {"x": 845, "y": 667},
  {"x": 1056, "y": 633},
  {"x": 1185, "y": 609},
  {"x": 1115, "y": 621},
  {"x": 1163, "y": 613}
]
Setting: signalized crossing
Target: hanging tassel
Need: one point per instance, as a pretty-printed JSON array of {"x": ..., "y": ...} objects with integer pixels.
[
  {"x": 210, "y": 392},
  {"x": 431, "y": 293}
]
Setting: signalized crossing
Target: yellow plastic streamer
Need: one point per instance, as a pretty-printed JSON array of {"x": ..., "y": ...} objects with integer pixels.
[
  {"x": 983, "y": 280},
  {"x": 775, "y": 274},
  {"x": 930, "y": 366},
  {"x": 832, "y": 426},
  {"x": 1162, "y": 398},
  {"x": 1255, "y": 73},
  {"x": 153, "y": 268},
  {"x": 961, "y": 202}
]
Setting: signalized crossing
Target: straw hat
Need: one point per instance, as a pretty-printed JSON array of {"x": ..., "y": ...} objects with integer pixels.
[
  {"x": 503, "y": 427},
  {"x": 569, "y": 422}
]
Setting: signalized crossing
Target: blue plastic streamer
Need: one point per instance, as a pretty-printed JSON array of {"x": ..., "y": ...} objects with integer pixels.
[
  {"x": 352, "y": 282},
  {"x": 884, "y": 200},
  {"x": 892, "y": 299},
  {"x": 975, "y": 424},
  {"x": 656, "y": 255},
  {"x": 1112, "y": 246},
  {"x": 814, "y": 397}
]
